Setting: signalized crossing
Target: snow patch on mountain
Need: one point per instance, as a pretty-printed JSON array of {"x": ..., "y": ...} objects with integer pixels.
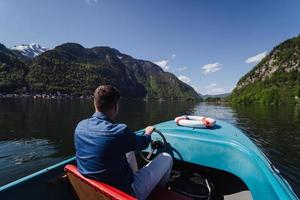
[{"x": 30, "y": 50}]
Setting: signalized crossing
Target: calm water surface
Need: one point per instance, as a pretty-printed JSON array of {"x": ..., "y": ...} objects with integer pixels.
[{"x": 37, "y": 133}]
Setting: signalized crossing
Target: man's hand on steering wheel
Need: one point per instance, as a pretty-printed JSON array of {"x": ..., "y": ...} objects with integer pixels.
[
  {"x": 149, "y": 130},
  {"x": 156, "y": 144}
]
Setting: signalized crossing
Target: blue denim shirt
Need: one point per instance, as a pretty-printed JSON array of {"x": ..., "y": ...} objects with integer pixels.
[{"x": 101, "y": 147}]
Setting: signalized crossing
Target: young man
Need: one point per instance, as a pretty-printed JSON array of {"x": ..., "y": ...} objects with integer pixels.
[{"x": 104, "y": 149}]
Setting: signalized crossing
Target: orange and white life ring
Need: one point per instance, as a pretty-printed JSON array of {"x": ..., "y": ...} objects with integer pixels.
[{"x": 195, "y": 121}]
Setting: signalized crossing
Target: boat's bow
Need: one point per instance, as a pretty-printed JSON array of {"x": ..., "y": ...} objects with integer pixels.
[{"x": 227, "y": 148}]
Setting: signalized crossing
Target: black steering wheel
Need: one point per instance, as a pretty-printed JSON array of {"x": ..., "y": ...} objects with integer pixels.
[{"x": 155, "y": 145}]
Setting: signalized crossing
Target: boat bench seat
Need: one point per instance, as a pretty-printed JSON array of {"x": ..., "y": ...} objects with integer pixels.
[{"x": 89, "y": 189}]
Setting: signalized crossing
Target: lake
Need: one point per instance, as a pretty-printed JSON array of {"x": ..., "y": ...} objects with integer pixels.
[{"x": 37, "y": 133}]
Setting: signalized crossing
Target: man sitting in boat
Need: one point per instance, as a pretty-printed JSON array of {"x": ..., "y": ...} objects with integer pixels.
[{"x": 104, "y": 149}]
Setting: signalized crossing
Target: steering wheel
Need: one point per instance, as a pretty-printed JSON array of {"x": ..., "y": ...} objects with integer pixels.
[{"x": 155, "y": 145}]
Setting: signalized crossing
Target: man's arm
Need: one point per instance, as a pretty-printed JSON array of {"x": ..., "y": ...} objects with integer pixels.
[{"x": 137, "y": 142}]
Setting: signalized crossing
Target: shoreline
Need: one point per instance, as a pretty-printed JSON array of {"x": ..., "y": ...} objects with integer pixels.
[
  {"x": 45, "y": 96},
  {"x": 83, "y": 97}
]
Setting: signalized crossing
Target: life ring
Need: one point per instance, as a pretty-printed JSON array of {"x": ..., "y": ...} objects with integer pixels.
[{"x": 195, "y": 121}]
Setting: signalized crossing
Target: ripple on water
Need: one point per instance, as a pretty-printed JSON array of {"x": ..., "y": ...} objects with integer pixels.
[{"x": 24, "y": 155}]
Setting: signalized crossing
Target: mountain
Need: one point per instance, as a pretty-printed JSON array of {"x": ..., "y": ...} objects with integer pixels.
[
  {"x": 72, "y": 69},
  {"x": 276, "y": 79},
  {"x": 29, "y": 50},
  {"x": 12, "y": 71}
]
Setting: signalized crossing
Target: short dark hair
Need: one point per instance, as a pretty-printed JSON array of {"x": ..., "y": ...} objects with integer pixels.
[{"x": 106, "y": 97}]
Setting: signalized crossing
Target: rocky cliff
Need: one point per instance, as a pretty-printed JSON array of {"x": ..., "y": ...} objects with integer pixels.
[{"x": 276, "y": 79}]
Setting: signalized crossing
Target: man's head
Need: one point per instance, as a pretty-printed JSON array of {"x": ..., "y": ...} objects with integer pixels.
[{"x": 106, "y": 99}]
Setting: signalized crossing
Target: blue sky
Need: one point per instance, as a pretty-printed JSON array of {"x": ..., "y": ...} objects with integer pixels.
[{"x": 209, "y": 44}]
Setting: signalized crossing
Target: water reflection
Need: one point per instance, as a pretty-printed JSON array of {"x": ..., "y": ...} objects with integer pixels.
[
  {"x": 138, "y": 114},
  {"x": 37, "y": 133}
]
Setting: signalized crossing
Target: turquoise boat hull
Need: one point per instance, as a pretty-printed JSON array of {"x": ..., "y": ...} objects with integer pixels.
[
  {"x": 227, "y": 148},
  {"x": 222, "y": 147}
]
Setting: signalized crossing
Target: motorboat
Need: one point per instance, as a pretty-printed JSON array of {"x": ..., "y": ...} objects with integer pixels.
[{"x": 210, "y": 162}]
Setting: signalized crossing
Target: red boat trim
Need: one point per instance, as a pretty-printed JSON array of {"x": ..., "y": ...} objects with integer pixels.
[{"x": 105, "y": 189}]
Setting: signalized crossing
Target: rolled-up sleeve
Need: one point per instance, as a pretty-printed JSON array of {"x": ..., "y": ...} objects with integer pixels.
[{"x": 135, "y": 142}]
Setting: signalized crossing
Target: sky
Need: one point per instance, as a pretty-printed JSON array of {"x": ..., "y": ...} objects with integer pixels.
[{"x": 209, "y": 44}]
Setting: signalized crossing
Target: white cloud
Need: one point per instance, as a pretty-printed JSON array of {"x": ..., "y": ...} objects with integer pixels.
[
  {"x": 213, "y": 89},
  {"x": 257, "y": 58},
  {"x": 184, "y": 79},
  {"x": 91, "y": 1},
  {"x": 212, "y": 85},
  {"x": 179, "y": 69},
  {"x": 163, "y": 64},
  {"x": 211, "y": 68},
  {"x": 218, "y": 90}
]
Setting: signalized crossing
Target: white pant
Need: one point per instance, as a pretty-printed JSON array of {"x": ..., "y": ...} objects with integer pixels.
[{"x": 156, "y": 172}]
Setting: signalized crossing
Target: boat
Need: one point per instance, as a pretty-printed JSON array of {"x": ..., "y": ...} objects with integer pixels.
[{"x": 219, "y": 162}]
